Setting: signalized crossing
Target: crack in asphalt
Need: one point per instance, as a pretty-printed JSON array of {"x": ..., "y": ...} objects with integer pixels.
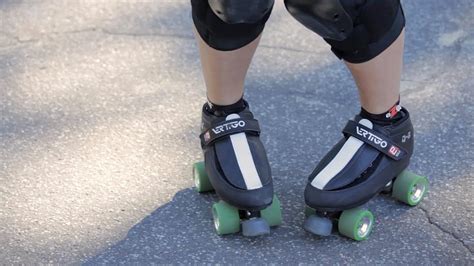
[
  {"x": 132, "y": 34},
  {"x": 432, "y": 222},
  {"x": 289, "y": 49},
  {"x": 15, "y": 39}
]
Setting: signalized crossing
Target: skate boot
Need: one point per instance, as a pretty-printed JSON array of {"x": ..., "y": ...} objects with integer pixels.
[
  {"x": 236, "y": 167},
  {"x": 369, "y": 159}
]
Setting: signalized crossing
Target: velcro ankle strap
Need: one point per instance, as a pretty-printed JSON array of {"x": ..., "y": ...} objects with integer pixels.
[
  {"x": 375, "y": 139},
  {"x": 229, "y": 127}
]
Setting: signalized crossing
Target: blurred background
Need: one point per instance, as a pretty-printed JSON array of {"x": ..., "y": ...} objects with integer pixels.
[{"x": 100, "y": 111}]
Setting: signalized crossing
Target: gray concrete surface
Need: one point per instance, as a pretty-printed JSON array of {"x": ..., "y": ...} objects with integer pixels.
[{"x": 100, "y": 107}]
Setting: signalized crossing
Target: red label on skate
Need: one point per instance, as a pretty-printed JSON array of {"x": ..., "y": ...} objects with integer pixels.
[
  {"x": 395, "y": 151},
  {"x": 393, "y": 111}
]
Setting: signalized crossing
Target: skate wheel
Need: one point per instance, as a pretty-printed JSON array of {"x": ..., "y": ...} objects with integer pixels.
[
  {"x": 255, "y": 227},
  {"x": 410, "y": 188},
  {"x": 308, "y": 211},
  {"x": 272, "y": 214},
  {"x": 226, "y": 218},
  {"x": 201, "y": 180},
  {"x": 356, "y": 223},
  {"x": 318, "y": 225}
]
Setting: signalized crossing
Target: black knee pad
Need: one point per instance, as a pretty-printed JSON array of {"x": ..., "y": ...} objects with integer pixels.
[
  {"x": 357, "y": 30},
  {"x": 230, "y": 24}
]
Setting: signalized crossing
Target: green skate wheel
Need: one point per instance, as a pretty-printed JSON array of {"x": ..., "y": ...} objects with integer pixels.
[
  {"x": 201, "y": 180},
  {"x": 308, "y": 211},
  {"x": 356, "y": 223},
  {"x": 272, "y": 214},
  {"x": 410, "y": 188},
  {"x": 226, "y": 218}
]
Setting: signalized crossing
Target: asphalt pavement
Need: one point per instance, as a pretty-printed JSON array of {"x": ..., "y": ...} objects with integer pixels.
[{"x": 100, "y": 111}]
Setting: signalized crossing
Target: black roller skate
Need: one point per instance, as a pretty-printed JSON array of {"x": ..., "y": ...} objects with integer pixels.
[
  {"x": 369, "y": 159},
  {"x": 236, "y": 167}
]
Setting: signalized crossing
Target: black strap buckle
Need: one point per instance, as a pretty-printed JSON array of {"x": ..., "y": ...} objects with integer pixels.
[
  {"x": 229, "y": 127},
  {"x": 375, "y": 139}
]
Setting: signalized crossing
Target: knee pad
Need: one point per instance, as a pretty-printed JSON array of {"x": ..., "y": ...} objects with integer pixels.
[
  {"x": 357, "y": 30},
  {"x": 227, "y": 25}
]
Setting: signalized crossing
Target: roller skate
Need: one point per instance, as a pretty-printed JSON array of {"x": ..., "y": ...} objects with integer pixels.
[
  {"x": 236, "y": 167},
  {"x": 369, "y": 159}
]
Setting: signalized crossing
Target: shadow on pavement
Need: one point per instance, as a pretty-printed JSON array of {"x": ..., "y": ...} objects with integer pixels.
[{"x": 302, "y": 112}]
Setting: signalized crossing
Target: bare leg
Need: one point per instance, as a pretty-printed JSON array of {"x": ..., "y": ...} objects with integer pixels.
[
  {"x": 378, "y": 80},
  {"x": 224, "y": 72}
]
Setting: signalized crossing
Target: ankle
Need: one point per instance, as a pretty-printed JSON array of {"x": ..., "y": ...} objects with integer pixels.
[
  {"x": 223, "y": 110},
  {"x": 388, "y": 117}
]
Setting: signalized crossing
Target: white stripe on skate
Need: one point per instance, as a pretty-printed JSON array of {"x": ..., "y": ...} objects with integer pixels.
[
  {"x": 342, "y": 158},
  {"x": 244, "y": 158}
]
